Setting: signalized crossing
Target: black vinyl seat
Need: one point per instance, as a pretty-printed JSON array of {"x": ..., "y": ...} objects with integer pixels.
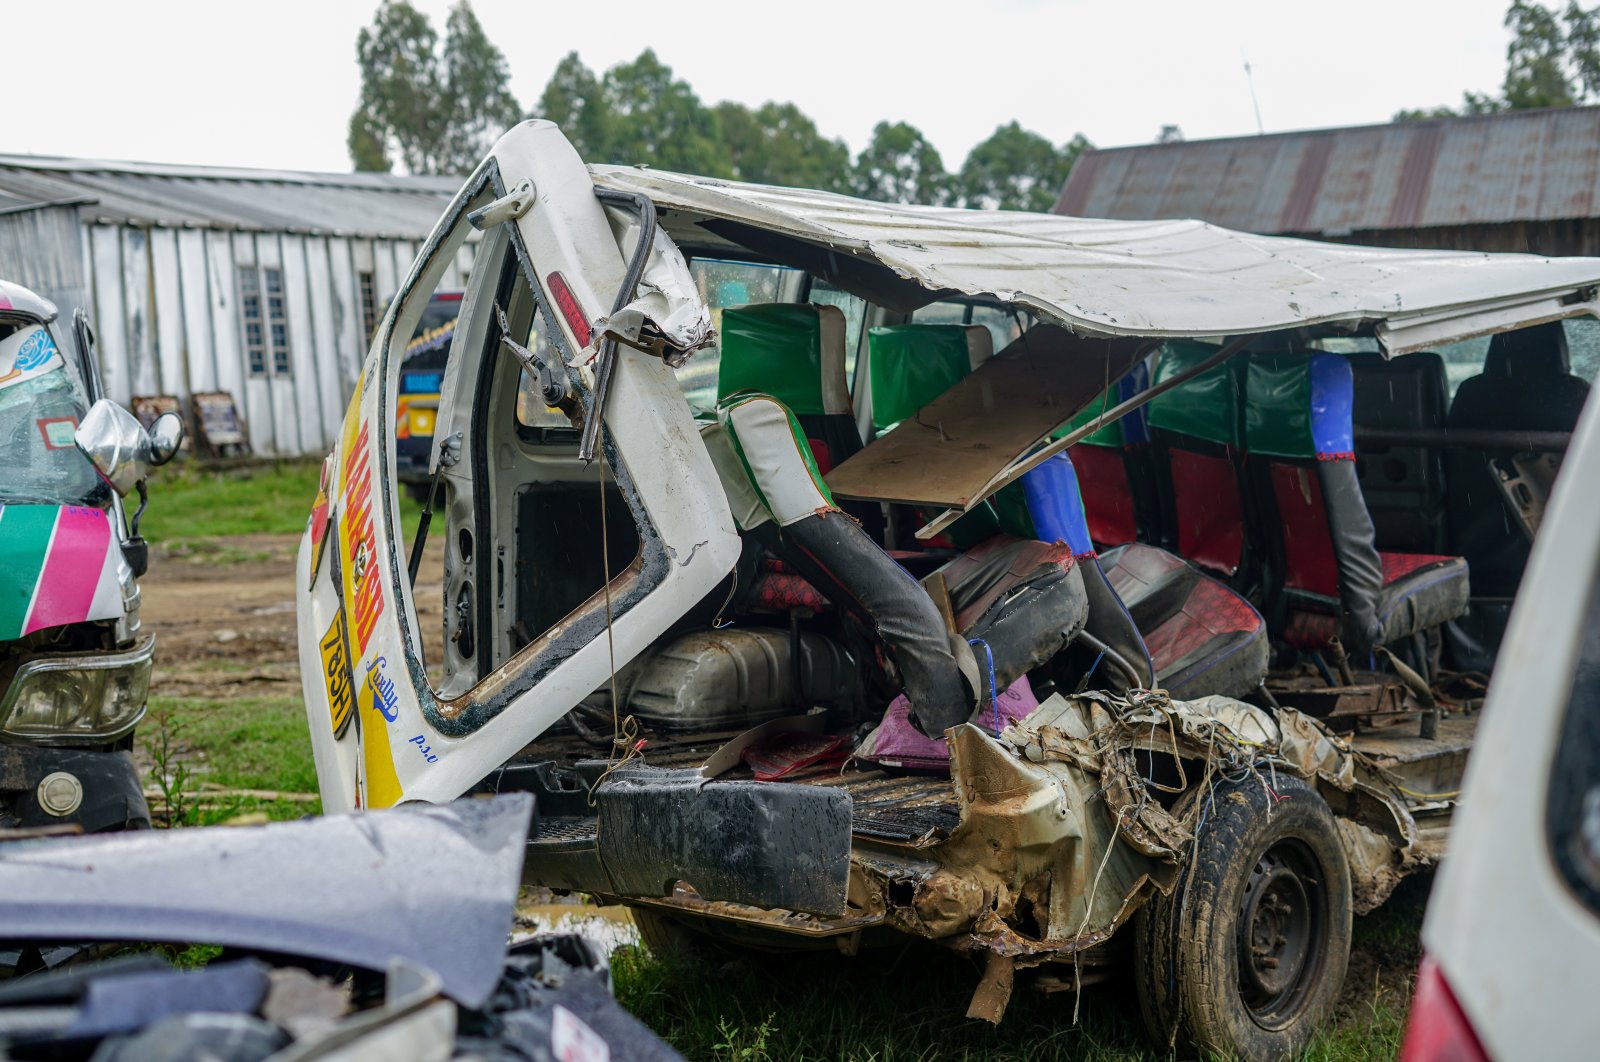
[
  {"x": 1404, "y": 486},
  {"x": 1526, "y": 384}
]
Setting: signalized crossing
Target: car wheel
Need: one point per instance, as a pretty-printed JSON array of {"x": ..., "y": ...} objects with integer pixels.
[{"x": 1246, "y": 958}]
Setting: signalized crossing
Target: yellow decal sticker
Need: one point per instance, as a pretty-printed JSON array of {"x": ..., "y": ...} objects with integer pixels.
[
  {"x": 383, "y": 785},
  {"x": 336, "y": 675}
]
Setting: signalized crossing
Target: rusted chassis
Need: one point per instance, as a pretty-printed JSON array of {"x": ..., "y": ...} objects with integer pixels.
[{"x": 1068, "y": 824}]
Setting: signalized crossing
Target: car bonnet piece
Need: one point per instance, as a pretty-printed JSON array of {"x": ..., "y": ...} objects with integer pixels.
[{"x": 431, "y": 885}]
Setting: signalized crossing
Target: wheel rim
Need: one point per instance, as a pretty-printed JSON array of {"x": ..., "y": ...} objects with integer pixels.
[{"x": 1282, "y": 933}]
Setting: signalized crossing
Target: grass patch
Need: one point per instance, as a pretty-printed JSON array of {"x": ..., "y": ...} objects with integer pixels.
[
  {"x": 193, "y": 506},
  {"x": 907, "y": 1001},
  {"x": 258, "y": 743},
  {"x": 193, "y": 502}
]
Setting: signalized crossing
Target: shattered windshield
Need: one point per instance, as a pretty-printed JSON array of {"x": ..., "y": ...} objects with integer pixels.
[{"x": 39, "y": 412}]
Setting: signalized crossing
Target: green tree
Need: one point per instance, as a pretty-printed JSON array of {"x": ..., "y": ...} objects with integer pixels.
[
  {"x": 1553, "y": 60},
  {"x": 572, "y": 99},
  {"x": 899, "y": 165},
  {"x": 433, "y": 110},
  {"x": 778, "y": 144},
  {"x": 658, "y": 120},
  {"x": 478, "y": 91},
  {"x": 1016, "y": 170}
]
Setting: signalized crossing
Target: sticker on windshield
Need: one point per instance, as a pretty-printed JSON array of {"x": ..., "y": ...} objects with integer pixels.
[
  {"x": 58, "y": 432},
  {"x": 27, "y": 353}
]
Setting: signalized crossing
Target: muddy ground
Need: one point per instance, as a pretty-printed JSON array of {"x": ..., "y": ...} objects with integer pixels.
[{"x": 225, "y": 626}]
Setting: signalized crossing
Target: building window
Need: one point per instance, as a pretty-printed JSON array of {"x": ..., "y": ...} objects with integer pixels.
[
  {"x": 369, "y": 304},
  {"x": 266, "y": 328}
]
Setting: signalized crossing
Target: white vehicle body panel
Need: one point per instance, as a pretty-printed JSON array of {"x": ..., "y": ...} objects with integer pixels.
[
  {"x": 1521, "y": 954},
  {"x": 396, "y": 747}
]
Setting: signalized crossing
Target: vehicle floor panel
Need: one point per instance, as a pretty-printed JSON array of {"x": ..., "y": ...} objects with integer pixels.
[{"x": 1402, "y": 744}]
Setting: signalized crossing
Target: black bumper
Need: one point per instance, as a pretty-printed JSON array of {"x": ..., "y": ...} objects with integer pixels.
[
  {"x": 111, "y": 796},
  {"x": 765, "y": 844}
]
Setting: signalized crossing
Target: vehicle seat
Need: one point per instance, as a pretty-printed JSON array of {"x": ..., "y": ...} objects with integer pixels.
[
  {"x": 1197, "y": 432},
  {"x": 1202, "y": 636},
  {"x": 1328, "y": 576},
  {"x": 1114, "y": 469},
  {"x": 1403, "y": 485},
  {"x": 1024, "y": 599},
  {"x": 911, "y": 365},
  {"x": 794, "y": 352},
  {"x": 1525, "y": 384}
]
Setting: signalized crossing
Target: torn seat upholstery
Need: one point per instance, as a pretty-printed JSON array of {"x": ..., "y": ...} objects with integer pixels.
[
  {"x": 1331, "y": 580},
  {"x": 1203, "y": 638},
  {"x": 1021, "y": 598}
]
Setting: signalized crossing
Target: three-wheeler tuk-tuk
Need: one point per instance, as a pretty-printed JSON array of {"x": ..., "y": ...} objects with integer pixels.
[{"x": 1057, "y": 590}]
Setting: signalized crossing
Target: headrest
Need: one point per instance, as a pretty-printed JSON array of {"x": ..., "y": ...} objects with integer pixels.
[
  {"x": 1206, "y": 407},
  {"x": 775, "y": 457},
  {"x": 1056, "y": 504},
  {"x": 791, "y": 351},
  {"x": 913, "y": 364},
  {"x": 1537, "y": 353},
  {"x": 1128, "y": 430},
  {"x": 1299, "y": 406},
  {"x": 1410, "y": 390}
]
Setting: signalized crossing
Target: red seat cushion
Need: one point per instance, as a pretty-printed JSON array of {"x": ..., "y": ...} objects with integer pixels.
[
  {"x": 1107, "y": 494},
  {"x": 1203, "y": 638}
]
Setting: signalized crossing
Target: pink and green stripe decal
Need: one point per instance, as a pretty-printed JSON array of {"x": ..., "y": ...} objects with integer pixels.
[{"x": 54, "y": 568}]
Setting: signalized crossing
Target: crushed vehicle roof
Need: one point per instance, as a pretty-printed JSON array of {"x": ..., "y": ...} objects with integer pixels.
[{"x": 1140, "y": 278}]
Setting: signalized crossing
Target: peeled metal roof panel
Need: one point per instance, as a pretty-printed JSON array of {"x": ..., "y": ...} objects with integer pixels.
[
  {"x": 1483, "y": 169},
  {"x": 1154, "y": 278}
]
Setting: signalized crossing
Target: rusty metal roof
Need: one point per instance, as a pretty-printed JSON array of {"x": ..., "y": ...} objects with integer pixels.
[{"x": 1517, "y": 166}]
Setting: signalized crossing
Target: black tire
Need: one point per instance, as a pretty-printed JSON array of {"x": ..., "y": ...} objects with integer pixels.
[{"x": 1247, "y": 957}]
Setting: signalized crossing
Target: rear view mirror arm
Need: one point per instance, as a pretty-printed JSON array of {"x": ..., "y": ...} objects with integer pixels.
[{"x": 1019, "y": 468}]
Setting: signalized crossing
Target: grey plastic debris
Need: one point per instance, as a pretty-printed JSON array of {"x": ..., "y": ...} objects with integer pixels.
[
  {"x": 434, "y": 885},
  {"x": 182, "y": 1037}
]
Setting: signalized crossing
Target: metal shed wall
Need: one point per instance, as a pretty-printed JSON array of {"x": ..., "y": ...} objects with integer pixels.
[
  {"x": 167, "y": 320},
  {"x": 153, "y": 252},
  {"x": 41, "y": 249}
]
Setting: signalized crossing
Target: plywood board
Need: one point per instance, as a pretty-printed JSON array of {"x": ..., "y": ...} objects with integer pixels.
[{"x": 955, "y": 444}]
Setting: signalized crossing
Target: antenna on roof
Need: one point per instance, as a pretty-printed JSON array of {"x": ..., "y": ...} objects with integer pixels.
[{"x": 1248, "y": 80}]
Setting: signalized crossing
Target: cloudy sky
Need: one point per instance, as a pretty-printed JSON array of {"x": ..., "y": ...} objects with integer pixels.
[{"x": 273, "y": 83}]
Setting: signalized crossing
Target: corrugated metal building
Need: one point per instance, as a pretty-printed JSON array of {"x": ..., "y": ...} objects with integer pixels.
[
  {"x": 1518, "y": 181},
  {"x": 262, "y": 283}
]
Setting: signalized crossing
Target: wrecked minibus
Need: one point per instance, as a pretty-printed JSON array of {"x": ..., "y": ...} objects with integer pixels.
[
  {"x": 74, "y": 661},
  {"x": 831, "y": 570}
]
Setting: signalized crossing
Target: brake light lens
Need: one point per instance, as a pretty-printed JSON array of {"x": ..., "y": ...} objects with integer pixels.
[
  {"x": 1438, "y": 1030},
  {"x": 567, "y": 303}
]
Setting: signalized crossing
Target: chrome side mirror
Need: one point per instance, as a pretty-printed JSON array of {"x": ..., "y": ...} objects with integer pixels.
[
  {"x": 116, "y": 444},
  {"x": 166, "y": 435}
]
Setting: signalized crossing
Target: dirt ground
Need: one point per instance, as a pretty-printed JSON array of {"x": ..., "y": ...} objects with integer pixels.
[{"x": 224, "y": 619}]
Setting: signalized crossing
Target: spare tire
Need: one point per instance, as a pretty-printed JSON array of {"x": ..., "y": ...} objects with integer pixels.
[{"x": 1247, "y": 957}]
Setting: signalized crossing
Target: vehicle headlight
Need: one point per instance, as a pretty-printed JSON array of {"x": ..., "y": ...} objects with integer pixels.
[{"x": 75, "y": 697}]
